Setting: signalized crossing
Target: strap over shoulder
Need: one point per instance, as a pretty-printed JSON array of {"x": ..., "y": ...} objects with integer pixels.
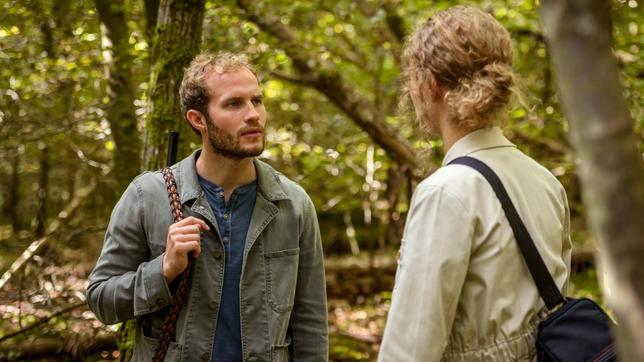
[
  {"x": 184, "y": 279},
  {"x": 542, "y": 278}
]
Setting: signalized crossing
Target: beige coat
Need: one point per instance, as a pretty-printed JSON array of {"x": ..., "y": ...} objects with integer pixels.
[{"x": 463, "y": 291}]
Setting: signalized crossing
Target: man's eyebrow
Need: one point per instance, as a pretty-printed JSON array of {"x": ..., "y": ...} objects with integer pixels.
[{"x": 229, "y": 99}]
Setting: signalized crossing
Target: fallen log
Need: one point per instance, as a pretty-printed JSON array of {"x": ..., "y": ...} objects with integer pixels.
[
  {"x": 352, "y": 277},
  {"x": 59, "y": 348}
]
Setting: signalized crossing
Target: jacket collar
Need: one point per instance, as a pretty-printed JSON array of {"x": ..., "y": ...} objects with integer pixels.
[
  {"x": 268, "y": 180},
  {"x": 478, "y": 140},
  {"x": 269, "y": 183}
]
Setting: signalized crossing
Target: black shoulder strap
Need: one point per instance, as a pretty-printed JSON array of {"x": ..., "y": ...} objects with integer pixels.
[{"x": 542, "y": 278}]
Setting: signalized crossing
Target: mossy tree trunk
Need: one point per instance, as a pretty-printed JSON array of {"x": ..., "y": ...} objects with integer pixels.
[
  {"x": 151, "y": 13},
  {"x": 611, "y": 170},
  {"x": 120, "y": 111},
  {"x": 177, "y": 41}
]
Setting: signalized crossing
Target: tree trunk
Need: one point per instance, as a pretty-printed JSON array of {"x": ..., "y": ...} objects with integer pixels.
[
  {"x": 43, "y": 186},
  {"x": 610, "y": 166},
  {"x": 60, "y": 10},
  {"x": 120, "y": 90},
  {"x": 151, "y": 14},
  {"x": 178, "y": 37},
  {"x": 14, "y": 191}
]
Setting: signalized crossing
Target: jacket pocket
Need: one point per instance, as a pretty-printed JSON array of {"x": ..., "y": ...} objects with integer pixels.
[
  {"x": 146, "y": 346},
  {"x": 281, "y": 278},
  {"x": 280, "y": 352}
]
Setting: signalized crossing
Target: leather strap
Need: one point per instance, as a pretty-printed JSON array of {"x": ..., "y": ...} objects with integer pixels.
[{"x": 170, "y": 323}]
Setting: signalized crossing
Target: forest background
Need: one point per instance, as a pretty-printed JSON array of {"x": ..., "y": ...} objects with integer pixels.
[{"x": 88, "y": 91}]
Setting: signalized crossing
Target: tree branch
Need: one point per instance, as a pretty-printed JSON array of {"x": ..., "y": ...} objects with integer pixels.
[
  {"x": 522, "y": 32},
  {"x": 395, "y": 23},
  {"x": 42, "y": 321},
  {"x": 325, "y": 78},
  {"x": 393, "y": 29},
  {"x": 37, "y": 245},
  {"x": 291, "y": 78},
  {"x": 551, "y": 144}
]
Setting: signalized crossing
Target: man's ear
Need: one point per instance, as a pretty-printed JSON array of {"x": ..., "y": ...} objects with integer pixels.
[{"x": 196, "y": 119}]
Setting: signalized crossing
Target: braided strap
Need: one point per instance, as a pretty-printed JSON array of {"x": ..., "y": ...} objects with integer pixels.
[{"x": 170, "y": 323}]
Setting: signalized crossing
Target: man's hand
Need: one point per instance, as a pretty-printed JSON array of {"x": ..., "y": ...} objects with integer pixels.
[{"x": 183, "y": 237}]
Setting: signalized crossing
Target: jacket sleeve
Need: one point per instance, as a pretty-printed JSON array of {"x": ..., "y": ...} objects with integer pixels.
[
  {"x": 309, "y": 328},
  {"x": 125, "y": 283},
  {"x": 433, "y": 263}
]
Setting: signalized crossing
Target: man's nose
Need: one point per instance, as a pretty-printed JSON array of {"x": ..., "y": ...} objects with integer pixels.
[{"x": 252, "y": 115}]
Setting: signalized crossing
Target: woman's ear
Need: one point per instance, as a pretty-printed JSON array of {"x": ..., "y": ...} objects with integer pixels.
[
  {"x": 435, "y": 87},
  {"x": 430, "y": 88},
  {"x": 196, "y": 119}
]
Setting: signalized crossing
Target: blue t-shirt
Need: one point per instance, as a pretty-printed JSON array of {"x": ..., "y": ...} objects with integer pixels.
[{"x": 233, "y": 220}]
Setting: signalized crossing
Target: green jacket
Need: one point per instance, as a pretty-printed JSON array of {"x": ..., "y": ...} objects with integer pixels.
[{"x": 282, "y": 286}]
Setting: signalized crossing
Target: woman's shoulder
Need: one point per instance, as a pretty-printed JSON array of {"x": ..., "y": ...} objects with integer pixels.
[{"x": 453, "y": 178}]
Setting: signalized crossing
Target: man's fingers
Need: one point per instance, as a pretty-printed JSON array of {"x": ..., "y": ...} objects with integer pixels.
[
  {"x": 187, "y": 229},
  {"x": 202, "y": 223},
  {"x": 183, "y": 238},
  {"x": 185, "y": 248},
  {"x": 191, "y": 220}
]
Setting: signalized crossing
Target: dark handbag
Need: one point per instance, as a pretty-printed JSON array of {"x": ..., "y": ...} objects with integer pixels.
[{"x": 579, "y": 330}]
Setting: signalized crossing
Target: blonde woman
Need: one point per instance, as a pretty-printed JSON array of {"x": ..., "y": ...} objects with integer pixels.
[{"x": 463, "y": 291}]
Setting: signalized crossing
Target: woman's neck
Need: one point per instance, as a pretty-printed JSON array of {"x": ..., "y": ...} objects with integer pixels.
[{"x": 450, "y": 134}]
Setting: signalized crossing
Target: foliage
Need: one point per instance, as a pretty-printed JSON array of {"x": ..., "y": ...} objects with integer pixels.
[{"x": 54, "y": 96}]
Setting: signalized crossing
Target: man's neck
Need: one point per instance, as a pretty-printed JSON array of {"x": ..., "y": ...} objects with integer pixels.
[{"x": 225, "y": 172}]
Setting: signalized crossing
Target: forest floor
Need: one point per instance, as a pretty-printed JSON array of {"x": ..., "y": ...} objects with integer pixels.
[{"x": 44, "y": 315}]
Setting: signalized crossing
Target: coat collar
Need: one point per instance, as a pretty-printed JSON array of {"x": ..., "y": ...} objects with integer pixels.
[
  {"x": 269, "y": 183},
  {"x": 478, "y": 140}
]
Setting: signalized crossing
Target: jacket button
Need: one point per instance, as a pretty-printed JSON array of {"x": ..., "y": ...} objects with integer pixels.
[
  {"x": 213, "y": 305},
  {"x": 217, "y": 254},
  {"x": 160, "y": 302},
  {"x": 204, "y": 356}
]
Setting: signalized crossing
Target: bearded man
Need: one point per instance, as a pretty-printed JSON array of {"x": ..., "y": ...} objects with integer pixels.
[{"x": 257, "y": 289}]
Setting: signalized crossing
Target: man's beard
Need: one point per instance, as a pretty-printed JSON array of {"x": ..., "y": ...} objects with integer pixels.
[{"x": 228, "y": 145}]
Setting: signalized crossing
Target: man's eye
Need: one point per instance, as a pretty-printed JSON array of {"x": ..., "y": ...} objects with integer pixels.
[
  {"x": 234, "y": 103},
  {"x": 257, "y": 101}
]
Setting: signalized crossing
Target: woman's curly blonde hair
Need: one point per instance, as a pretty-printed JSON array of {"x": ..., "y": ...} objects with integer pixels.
[{"x": 470, "y": 55}]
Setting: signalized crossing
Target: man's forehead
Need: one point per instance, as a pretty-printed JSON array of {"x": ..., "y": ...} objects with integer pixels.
[
  {"x": 218, "y": 71},
  {"x": 234, "y": 80}
]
